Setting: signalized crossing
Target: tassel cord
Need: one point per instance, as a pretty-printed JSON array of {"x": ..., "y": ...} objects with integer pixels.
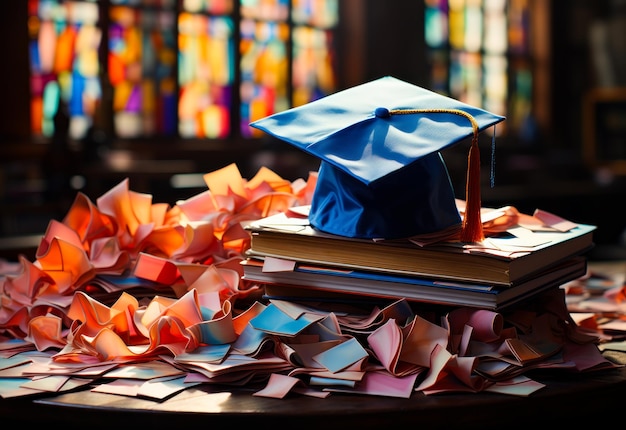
[{"x": 472, "y": 230}]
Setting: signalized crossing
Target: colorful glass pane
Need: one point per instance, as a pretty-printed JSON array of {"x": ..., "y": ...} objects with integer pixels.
[
  {"x": 205, "y": 75},
  {"x": 470, "y": 59},
  {"x": 518, "y": 19},
  {"x": 322, "y": 14},
  {"x": 63, "y": 50},
  {"x": 436, "y": 23},
  {"x": 216, "y": 7},
  {"x": 264, "y": 71},
  {"x": 265, "y": 10},
  {"x": 313, "y": 60},
  {"x": 141, "y": 70}
]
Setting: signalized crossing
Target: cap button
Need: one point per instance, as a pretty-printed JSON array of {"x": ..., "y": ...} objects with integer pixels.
[{"x": 382, "y": 112}]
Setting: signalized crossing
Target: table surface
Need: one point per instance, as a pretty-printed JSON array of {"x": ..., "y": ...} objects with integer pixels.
[{"x": 568, "y": 398}]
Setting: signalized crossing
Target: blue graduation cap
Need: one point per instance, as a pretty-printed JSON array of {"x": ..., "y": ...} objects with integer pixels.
[{"x": 381, "y": 173}]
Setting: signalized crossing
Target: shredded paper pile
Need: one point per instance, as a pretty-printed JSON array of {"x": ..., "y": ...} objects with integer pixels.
[{"x": 134, "y": 297}]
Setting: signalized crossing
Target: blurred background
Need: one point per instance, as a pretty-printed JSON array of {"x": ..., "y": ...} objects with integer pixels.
[{"x": 162, "y": 91}]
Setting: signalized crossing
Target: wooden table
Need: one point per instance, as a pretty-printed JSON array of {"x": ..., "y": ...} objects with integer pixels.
[{"x": 567, "y": 400}]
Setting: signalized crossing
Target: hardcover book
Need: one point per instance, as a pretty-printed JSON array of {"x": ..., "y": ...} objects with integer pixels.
[
  {"x": 505, "y": 259},
  {"x": 313, "y": 283}
]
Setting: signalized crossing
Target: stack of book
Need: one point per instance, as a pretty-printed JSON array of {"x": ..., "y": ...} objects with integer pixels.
[{"x": 294, "y": 261}]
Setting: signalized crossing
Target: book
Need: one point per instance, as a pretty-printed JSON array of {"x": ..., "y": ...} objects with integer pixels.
[
  {"x": 311, "y": 282},
  {"x": 505, "y": 259}
]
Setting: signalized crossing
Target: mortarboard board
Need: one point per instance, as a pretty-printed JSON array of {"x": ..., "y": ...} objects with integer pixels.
[{"x": 381, "y": 173}]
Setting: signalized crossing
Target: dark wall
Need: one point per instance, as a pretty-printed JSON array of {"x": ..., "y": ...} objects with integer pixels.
[
  {"x": 14, "y": 84},
  {"x": 395, "y": 41}
]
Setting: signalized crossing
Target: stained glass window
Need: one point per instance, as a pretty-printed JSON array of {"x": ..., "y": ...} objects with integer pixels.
[
  {"x": 313, "y": 62},
  {"x": 206, "y": 73},
  {"x": 264, "y": 60},
  {"x": 478, "y": 51},
  {"x": 186, "y": 68},
  {"x": 64, "y": 38},
  {"x": 141, "y": 68}
]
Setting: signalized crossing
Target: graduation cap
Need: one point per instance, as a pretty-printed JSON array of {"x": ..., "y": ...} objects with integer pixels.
[{"x": 381, "y": 173}]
